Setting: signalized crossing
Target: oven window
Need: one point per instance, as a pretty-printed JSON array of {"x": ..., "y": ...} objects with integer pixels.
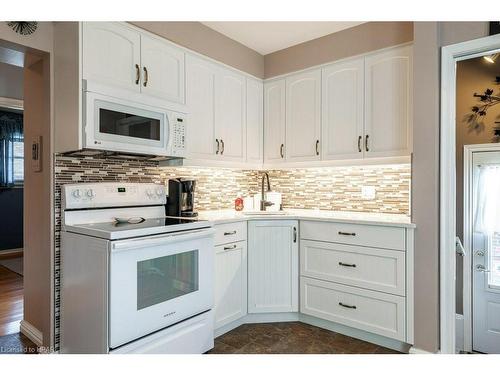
[
  {"x": 165, "y": 278},
  {"x": 120, "y": 123}
]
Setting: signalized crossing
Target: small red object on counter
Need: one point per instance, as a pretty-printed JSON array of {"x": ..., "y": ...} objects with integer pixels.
[{"x": 238, "y": 204}]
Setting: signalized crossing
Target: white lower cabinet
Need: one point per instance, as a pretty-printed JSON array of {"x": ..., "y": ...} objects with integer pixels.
[
  {"x": 273, "y": 269},
  {"x": 230, "y": 282},
  {"x": 375, "y": 312}
]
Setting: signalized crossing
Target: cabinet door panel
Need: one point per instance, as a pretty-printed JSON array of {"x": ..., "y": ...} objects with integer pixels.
[
  {"x": 230, "y": 283},
  {"x": 255, "y": 118},
  {"x": 388, "y": 103},
  {"x": 200, "y": 97},
  {"x": 303, "y": 111},
  {"x": 230, "y": 114},
  {"x": 274, "y": 121},
  {"x": 111, "y": 52},
  {"x": 272, "y": 266},
  {"x": 342, "y": 110},
  {"x": 165, "y": 70}
]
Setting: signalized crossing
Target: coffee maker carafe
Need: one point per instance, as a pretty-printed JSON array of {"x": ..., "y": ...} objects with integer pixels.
[{"x": 180, "y": 202}]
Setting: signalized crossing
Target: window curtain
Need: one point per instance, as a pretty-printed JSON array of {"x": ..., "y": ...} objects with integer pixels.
[
  {"x": 487, "y": 215},
  {"x": 11, "y": 130}
]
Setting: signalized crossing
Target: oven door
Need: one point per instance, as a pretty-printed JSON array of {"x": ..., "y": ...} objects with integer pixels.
[
  {"x": 118, "y": 125},
  {"x": 158, "y": 281}
]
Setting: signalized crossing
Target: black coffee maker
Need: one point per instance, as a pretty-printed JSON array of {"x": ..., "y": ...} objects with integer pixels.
[{"x": 180, "y": 202}]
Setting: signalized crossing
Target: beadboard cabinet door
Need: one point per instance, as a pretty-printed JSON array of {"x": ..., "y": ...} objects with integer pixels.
[
  {"x": 273, "y": 266},
  {"x": 111, "y": 55},
  {"x": 230, "y": 115},
  {"x": 274, "y": 121},
  {"x": 200, "y": 99},
  {"x": 162, "y": 70},
  {"x": 342, "y": 121},
  {"x": 303, "y": 116},
  {"x": 230, "y": 283},
  {"x": 388, "y": 101},
  {"x": 255, "y": 119}
]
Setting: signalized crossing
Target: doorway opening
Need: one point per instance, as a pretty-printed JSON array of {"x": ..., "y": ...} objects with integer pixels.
[{"x": 470, "y": 134}]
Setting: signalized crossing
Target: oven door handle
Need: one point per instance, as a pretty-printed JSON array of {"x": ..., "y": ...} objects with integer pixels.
[{"x": 139, "y": 243}]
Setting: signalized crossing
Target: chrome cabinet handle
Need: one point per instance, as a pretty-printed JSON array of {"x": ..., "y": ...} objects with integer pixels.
[
  {"x": 359, "y": 143},
  {"x": 145, "y": 76},
  {"x": 137, "y": 74},
  {"x": 217, "y": 151},
  {"x": 317, "y": 145},
  {"x": 366, "y": 143},
  {"x": 281, "y": 150},
  {"x": 222, "y": 144},
  {"x": 294, "y": 234},
  {"x": 230, "y": 247},
  {"x": 347, "y": 306},
  {"x": 229, "y": 233},
  {"x": 479, "y": 253},
  {"x": 347, "y": 233},
  {"x": 347, "y": 264}
]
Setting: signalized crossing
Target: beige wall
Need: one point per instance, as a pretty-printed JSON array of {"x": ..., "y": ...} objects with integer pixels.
[
  {"x": 350, "y": 42},
  {"x": 428, "y": 38},
  {"x": 473, "y": 76},
  {"x": 11, "y": 81},
  {"x": 38, "y": 213},
  {"x": 204, "y": 40}
]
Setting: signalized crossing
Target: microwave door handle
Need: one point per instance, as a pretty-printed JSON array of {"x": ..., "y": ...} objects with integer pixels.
[{"x": 139, "y": 243}]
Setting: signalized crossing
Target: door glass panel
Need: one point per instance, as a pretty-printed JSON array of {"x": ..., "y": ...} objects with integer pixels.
[
  {"x": 129, "y": 125},
  {"x": 494, "y": 261},
  {"x": 165, "y": 278}
]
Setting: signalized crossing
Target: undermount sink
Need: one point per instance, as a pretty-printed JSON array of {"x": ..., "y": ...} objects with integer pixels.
[{"x": 264, "y": 213}]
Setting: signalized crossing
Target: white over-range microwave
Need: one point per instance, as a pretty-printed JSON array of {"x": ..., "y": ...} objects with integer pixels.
[{"x": 123, "y": 126}]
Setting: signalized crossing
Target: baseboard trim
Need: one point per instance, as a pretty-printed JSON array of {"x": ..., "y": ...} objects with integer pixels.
[
  {"x": 414, "y": 350},
  {"x": 32, "y": 333}
]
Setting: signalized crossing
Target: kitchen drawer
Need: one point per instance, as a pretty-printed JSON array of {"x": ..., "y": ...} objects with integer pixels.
[
  {"x": 371, "y": 268},
  {"x": 354, "y": 234},
  {"x": 230, "y": 232},
  {"x": 379, "y": 313}
]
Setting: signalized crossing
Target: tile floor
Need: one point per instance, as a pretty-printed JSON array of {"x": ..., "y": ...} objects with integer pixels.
[{"x": 291, "y": 338}]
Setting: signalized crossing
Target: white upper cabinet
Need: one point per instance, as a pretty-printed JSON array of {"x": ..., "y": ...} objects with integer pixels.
[
  {"x": 112, "y": 55},
  {"x": 255, "y": 118},
  {"x": 342, "y": 110},
  {"x": 162, "y": 69},
  {"x": 274, "y": 121},
  {"x": 388, "y": 80},
  {"x": 230, "y": 114},
  {"x": 200, "y": 99},
  {"x": 303, "y": 116}
]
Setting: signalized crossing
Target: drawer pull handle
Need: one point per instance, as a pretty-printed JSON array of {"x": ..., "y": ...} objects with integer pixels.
[
  {"x": 347, "y": 306},
  {"x": 347, "y": 264},
  {"x": 347, "y": 233},
  {"x": 294, "y": 234},
  {"x": 229, "y": 233},
  {"x": 230, "y": 247}
]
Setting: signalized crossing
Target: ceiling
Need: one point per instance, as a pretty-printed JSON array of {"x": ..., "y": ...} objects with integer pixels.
[{"x": 267, "y": 37}]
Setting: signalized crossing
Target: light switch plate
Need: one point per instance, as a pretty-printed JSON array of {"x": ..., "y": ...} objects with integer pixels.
[
  {"x": 36, "y": 154},
  {"x": 368, "y": 192}
]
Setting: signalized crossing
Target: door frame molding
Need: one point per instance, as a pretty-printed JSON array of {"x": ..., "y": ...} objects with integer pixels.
[
  {"x": 469, "y": 151},
  {"x": 450, "y": 55}
]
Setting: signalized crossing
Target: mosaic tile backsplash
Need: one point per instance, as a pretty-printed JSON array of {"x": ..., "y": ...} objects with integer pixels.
[{"x": 336, "y": 188}]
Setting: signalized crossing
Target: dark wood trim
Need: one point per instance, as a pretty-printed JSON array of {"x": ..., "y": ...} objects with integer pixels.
[{"x": 11, "y": 255}]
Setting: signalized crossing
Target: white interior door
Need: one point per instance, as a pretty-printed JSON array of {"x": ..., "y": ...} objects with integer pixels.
[{"x": 486, "y": 253}]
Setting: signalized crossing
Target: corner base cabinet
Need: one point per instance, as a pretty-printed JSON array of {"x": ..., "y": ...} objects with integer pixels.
[{"x": 273, "y": 266}]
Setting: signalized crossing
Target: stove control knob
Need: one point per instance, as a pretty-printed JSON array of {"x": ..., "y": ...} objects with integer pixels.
[
  {"x": 90, "y": 193},
  {"x": 149, "y": 193},
  {"x": 159, "y": 192},
  {"x": 77, "y": 193}
]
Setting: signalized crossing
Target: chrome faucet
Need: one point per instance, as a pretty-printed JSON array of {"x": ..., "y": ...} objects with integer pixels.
[{"x": 263, "y": 202}]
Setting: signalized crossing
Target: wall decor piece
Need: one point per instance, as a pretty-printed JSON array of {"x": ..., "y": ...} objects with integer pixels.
[
  {"x": 486, "y": 100},
  {"x": 23, "y": 27}
]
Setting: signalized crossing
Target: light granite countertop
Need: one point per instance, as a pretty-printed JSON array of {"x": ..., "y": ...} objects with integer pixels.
[{"x": 228, "y": 216}]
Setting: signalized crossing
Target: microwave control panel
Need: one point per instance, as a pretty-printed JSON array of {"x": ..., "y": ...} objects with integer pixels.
[{"x": 179, "y": 134}]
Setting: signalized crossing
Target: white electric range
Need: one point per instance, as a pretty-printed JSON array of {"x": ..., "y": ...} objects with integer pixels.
[{"x": 133, "y": 280}]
